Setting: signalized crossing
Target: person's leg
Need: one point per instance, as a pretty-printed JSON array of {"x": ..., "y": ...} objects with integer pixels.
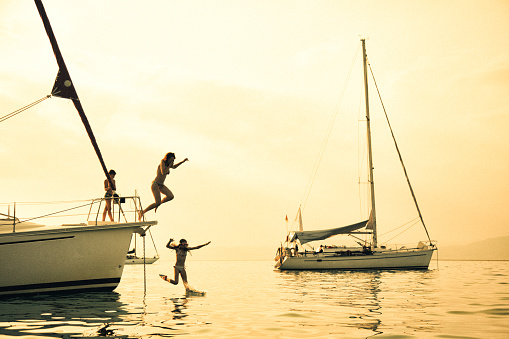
[
  {"x": 175, "y": 281},
  {"x": 168, "y": 194},
  {"x": 183, "y": 274},
  {"x": 107, "y": 210},
  {"x": 157, "y": 196},
  {"x": 108, "y": 203}
]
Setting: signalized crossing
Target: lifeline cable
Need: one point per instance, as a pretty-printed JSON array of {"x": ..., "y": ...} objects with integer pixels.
[{"x": 47, "y": 215}]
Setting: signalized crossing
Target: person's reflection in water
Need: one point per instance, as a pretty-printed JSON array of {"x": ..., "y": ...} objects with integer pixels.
[{"x": 180, "y": 306}]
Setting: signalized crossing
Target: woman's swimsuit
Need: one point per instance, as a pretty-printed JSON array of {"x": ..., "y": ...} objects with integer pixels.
[{"x": 160, "y": 184}]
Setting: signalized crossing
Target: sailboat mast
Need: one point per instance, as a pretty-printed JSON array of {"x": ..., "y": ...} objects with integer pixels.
[{"x": 370, "y": 154}]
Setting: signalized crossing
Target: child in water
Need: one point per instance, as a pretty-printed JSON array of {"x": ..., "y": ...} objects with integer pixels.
[{"x": 181, "y": 251}]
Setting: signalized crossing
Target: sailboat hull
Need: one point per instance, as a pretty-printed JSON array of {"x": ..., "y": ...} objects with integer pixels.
[
  {"x": 416, "y": 259},
  {"x": 140, "y": 261},
  {"x": 64, "y": 259}
]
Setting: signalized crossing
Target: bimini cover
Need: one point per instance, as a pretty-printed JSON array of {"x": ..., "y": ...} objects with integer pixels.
[{"x": 307, "y": 236}]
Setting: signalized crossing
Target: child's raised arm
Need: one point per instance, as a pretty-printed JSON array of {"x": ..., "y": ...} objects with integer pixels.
[
  {"x": 170, "y": 245},
  {"x": 199, "y": 246}
]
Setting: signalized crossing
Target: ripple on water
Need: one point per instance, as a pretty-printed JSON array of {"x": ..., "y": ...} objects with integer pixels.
[{"x": 251, "y": 300}]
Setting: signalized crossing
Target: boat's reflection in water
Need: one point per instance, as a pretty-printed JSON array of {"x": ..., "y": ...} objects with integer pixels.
[
  {"x": 60, "y": 315},
  {"x": 371, "y": 300},
  {"x": 347, "y": 299}
]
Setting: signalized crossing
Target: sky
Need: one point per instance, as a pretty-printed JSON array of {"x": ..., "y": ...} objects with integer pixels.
[{"x": 247, "y": 90}]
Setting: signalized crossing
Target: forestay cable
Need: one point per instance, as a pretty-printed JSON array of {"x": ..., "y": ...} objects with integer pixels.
[
  {"x": 16, "y": 112},
  {"x": 399, "y": 154}
]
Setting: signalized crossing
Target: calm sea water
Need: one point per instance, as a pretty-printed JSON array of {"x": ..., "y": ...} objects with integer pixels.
[{"x": 248, "y": 299}]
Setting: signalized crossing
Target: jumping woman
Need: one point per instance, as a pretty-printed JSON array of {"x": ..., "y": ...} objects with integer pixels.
[{"x": 158, "y": 186}]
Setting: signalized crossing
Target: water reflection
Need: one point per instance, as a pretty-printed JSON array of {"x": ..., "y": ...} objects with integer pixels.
[
  {"x": 350, "y": 298},
  {"x": 373, "y": 301},
  {"x": 179, "y": 305},
  {"x": 68, "y": 315}
]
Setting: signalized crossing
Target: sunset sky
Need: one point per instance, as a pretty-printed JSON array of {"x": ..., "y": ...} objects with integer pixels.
[{"x": 246, "y": 91}]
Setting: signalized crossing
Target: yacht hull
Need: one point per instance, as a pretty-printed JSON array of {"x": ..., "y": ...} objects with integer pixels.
[
  {"x": 416, "y": 259},
  {"x": 64, "y": 259}
]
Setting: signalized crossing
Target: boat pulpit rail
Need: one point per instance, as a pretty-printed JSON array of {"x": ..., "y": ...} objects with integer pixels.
[
  {"x": 125, "y": 209},
  {"x": 133, "y": 204},
  {"x": 356, "y": 251}
]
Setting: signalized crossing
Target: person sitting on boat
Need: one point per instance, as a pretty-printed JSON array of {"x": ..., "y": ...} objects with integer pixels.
[
  {"x": 158, "y": 186},
  {"x": 110, "y": 192},
  {"x": 181, "y": 252},
  {"x": 366, "y": 250}
]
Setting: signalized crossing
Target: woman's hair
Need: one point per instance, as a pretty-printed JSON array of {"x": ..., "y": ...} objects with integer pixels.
[
  {"x": 112, "y": 172},
  {"x": 168, "y": 156}
]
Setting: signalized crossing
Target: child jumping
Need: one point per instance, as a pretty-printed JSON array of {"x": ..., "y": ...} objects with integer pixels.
[{"x": 181, "y": 251}]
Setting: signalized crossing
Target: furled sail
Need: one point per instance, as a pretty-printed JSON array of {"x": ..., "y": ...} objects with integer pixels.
[
  {"x": 307, "y": 236},
  {"x": 64, "y": 87}
]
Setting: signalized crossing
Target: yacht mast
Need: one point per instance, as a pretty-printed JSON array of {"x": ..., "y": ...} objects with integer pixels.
[{"x": 370, "y": 155}]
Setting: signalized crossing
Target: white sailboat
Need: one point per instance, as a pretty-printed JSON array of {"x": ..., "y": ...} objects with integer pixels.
[
  {"x": 38, "y": 258},
  {"x": 132, "y": 256},
  {"x": 135, "y": 260},
  {"x": 368, "y": 254}
]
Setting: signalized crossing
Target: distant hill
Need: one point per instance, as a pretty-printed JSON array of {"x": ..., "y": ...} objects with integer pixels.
[{"x": 489, "y": 249}]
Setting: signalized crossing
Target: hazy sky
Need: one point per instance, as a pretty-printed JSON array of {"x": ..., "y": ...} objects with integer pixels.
[{"x": 246, "y": 91}]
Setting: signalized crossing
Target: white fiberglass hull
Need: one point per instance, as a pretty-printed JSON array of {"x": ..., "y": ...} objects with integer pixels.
[
  {"x": 64, "y": 259},
  {"x": 137, "y": 261},
  {"x": 414, "y": 259}
]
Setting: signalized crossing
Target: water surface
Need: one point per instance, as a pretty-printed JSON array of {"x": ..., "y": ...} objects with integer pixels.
[{"x": 248, "y": 299}]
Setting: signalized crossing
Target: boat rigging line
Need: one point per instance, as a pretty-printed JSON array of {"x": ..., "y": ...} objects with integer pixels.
[
  {"x": 413, "y": 222},
  {"x": 399, "y": 153},
  {"x": 416, "y": 221},
  {"x": 326, "y": 139},
  {"x": 22, "y": 109}
]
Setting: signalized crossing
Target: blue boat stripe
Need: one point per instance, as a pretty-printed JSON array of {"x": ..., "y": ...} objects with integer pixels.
[
  {"x": 36, "y": 240},
  {"x": 83, "y": 283}
]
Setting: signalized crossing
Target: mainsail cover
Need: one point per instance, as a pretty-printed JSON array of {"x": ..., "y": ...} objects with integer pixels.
[{"x": 307, "y": 236}]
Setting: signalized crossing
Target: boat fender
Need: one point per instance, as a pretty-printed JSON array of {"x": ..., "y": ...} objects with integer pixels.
[{"x": 278, "y": 254}]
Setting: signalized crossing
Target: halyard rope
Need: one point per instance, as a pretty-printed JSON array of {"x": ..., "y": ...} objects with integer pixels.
[
  {"x": 10, "y": 115},
  {"x": 144, "y": 269},
  {"x": 325, "y": 141}
]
